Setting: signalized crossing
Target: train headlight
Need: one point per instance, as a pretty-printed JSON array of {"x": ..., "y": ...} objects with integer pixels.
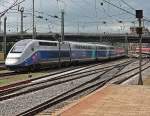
[{"x": 10, "y": 61}]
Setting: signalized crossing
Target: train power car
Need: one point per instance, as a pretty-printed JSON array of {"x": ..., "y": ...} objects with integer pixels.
[{"x": 31, "y": 54}]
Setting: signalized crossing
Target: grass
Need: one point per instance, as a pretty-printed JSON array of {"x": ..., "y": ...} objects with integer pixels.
[
  {"x": 21, "y": 77},
  {"x": 18, "y": 78}
]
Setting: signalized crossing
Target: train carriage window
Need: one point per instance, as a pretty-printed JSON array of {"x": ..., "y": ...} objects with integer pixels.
[
  {"x": 83, "y": 47},
  {"x": 47, "y": 44},
  {"x": 111, "y": 48},
  {"x": 102, "y": 48},
  {"x": 89, "y": 47},
  {"x": 78, "y": 47}
]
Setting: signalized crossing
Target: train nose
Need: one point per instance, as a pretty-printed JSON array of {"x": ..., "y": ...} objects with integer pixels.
[{"x": 10, "y": 61}]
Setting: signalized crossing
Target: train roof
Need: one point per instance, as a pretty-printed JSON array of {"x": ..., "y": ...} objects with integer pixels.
[
  {"x": 71, "y": 42},
  {"x": 24, "y": 42},
  {"x": 88, "y": 43}
]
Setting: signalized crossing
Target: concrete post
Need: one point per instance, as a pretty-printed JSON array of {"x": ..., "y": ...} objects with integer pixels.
[
  {"x": 21, "y": 10},
  {"x": 4, "y": 39},
  {"x": 33, "y": 35},
  {"x": 62, "y": 26}
]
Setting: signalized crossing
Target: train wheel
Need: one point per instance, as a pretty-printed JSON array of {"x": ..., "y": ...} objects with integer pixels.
[
  {"x": 66, "y": 64},
  {"x": 33, "y": 68}
]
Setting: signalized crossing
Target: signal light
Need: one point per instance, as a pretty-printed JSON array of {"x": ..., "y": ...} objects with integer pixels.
[
  {"x": 139, "y": 30},
  {"x": 139, "y": 13}
]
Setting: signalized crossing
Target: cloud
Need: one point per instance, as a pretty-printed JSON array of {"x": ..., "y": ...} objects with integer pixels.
[{"x": 80, "y": 15}]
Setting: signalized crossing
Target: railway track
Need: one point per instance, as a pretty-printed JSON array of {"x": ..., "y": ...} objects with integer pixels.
[
  {"x": 9, "y": 73},
  {"x": 79, "y": 68},
  {"x": 57, "y": 79},
  {"x": 125, "y": 78},
  {"x": 62, "y": 87},
  {"x": 39, "y": 108},
  {"x": 30, "y": 80},
  {"x": 12, "y": 73},
  {"x": 77, "y": 82},
  {"x": 2, "y": 67},
  {"x": 2, "y": 63},
  {"x": 95, "y": 83}
]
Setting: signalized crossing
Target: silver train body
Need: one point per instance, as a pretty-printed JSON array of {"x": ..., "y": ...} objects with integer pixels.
[{"x": 29, "y": 53}]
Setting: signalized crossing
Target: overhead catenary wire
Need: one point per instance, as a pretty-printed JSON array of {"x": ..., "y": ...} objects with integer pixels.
[
  {"x": 128, "y": 5},
  {"x": 124, "y": 10},
  {"x": 119, "y": 7},
  {"x": 13, "y": 5},
  {"x": 2, "y": 13},
  {"x": 85, "y": 18},
  {"x": 57, "y": 18}
]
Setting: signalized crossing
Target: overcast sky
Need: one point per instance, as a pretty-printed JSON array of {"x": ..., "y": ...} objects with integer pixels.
[{"x": 80, "y": 15}]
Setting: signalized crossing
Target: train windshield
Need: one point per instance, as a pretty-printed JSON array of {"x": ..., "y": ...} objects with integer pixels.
[
  {"x": 19, "y": 46},
  {"x": 17, "y": 49}
]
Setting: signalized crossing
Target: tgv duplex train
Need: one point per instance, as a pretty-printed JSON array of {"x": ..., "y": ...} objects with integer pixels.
[{"x": 30, "y": 54}]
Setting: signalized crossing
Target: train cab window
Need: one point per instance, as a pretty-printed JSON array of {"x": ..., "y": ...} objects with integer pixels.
[
  {"x": 47, "y": 44},
  {"x": 17, "y": 49}
]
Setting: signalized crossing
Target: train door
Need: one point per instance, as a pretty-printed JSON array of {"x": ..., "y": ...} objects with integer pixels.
[
  {"x": 35, "y": 56},
  {"x": 65, "y": 52},
  {"x": 96, "y": 53},
  {"x": 108, "y": 53},
  {"x": 111, "y": 52}
]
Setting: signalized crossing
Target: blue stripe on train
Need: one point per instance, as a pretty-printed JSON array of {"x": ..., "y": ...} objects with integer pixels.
[
  {"x": 82, "y": 54},
  {"x": 52, "y": 55},
  {"x": 45, "y": 56},
  {"x": 88, "y": 54},
  {"x": 101, "y": 53}
]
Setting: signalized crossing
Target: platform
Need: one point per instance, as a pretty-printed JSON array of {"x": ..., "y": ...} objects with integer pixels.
[{"x": 114, "y": 100}]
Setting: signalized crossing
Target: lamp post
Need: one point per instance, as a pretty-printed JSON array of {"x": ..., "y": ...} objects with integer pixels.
[
  {"x": 21, "y": 27},
  {"x": 139, "y": 15},
  {"x": 126, "y": 43},
  {"x": 62, "y": 25},
  {"x": 4, "y": 39},
  {"x": 33, "y": 33}
]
